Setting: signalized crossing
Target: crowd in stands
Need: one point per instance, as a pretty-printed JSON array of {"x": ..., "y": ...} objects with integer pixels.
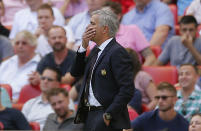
[{"x": 38, "y": 44}]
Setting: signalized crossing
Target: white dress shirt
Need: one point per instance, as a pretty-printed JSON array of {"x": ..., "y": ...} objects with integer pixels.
[
  {"x": 92, "y": 100},
  {"x": 17, "y": 76}
]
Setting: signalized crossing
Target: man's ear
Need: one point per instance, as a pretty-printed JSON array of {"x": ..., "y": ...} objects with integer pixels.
[{"x": 105, "y": 29}]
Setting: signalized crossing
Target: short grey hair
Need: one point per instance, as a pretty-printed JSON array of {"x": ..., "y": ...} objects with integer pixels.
[
  {"x": 28, "y": 36},
  {"x": 108, "y": 18}
]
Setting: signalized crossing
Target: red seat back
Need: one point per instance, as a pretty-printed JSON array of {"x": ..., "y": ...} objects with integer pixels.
[
  {"x": 8, "y": 89},
  {"x": 162, "y": 73},
  {"x": 35, "y": 126},
  {"x": 173, "y": 9},
  {"x": 144, "y": 108},
  {"x": 28, "y": 92},
  {"x": 132, "y": 114}
]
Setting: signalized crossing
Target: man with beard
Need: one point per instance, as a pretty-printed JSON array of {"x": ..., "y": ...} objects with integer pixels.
[
  {"x": 165, "y": 118},
  {"x": 38, "y": 108},
  {"x": 63, "y": 118},
  {"x": 61, "y": 57}
]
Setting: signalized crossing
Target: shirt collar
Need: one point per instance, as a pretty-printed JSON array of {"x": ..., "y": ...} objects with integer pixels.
[
  {"x": 40, "y": 100},
  {"x": 104, "y": 44},
  {"x": 191, "y": 97}
]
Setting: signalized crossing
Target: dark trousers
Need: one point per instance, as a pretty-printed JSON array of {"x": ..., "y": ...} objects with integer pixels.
[{"x": 95, "y": 122}]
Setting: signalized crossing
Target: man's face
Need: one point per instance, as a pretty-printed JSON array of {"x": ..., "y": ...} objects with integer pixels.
[
  {"x": 45, "y": 19},
  {"x": 22, "y": 47},
  {"x": 187, "y": 77},
  {"x": 95, "y": 4},
  {"x": 188, "y": 30},
  {"x": 48, "y": 80},
  {"x": 60, "y": 104},
  {"x": 94, "y": 23},
  {"x": 57, "y": 39},
  {"x": 166, "y": 100}
]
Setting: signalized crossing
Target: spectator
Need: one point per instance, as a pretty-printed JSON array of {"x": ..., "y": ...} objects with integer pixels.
[
  {"x": 165, "y": 118},
  {"x": 45, "y": 20},
  {"x": 16, "y": 69},
  {"x": 61, "y": 57},
  {"x": 37, "y": 109},
  {"x": 63, "y": 118},
  {"x": 12, "y": 119},
  {"x": 185, "y": 48},
  {"x": 189, "y": 97},
  {"x": 26, "y": 19},
  {"x": 195, "y": 10},
  {"x": 143, "y": 82},
  {"x": 195, "y": 122},
  {"x": 6, "y": 49},
  {"x": 126, "y": 38},
  {"x": 3, "y": 31},
  {"x": 79, "y": 22},
  {"x": 154, "y": 19}
]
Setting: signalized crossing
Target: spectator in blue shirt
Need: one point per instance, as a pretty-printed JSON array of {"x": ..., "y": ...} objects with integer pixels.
[
  {"x": 154, "y": 18},
  {"x": 165, "y": 118}
]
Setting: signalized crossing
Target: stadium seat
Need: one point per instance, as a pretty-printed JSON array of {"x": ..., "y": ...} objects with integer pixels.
[
  {"x": 144, "y": 108},
  {"x": 173, "y": 8},
  {"x": 156, "y": 50},
  {"x": 8, "y": 89},
  {"x": 35, "y": 126},
  {"x": 162, "y": 73},
  {"x": 1, "y": 126},
  {"x": 132, "y": 114},
  {"x": 66, "y": 86},
  {"x": 28, "y": 92}
]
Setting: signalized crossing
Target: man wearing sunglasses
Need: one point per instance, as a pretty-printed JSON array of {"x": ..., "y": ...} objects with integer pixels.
[
  {"x": 38, "y": 108},
  {"x": 165, "y": 118},
  {"x": 189, "y": 97}
]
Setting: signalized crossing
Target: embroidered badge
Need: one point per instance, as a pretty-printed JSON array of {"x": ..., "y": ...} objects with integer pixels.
[{"x": 103, "y": 72}]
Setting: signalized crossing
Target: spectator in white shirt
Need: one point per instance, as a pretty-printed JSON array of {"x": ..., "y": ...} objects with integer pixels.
[
  {"x": 38, "y": 108},
  {"x": 45, "y": 21},
  {"x": 26, "y": 19},
  {"x": 15, "y": 70}
]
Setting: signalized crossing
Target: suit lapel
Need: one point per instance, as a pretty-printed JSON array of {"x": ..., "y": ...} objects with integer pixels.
[{"x": 107, "y": 48}]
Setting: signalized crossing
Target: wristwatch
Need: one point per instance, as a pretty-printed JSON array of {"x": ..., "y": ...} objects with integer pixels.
[{"x": 107, "y": 116}]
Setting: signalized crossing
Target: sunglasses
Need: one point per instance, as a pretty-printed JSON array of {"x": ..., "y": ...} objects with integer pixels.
[
  {"x": 162, "y": 97},
  {"x": 47, "y": 78}
]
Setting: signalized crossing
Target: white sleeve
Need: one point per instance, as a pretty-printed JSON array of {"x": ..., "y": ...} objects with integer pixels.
[
  {"x": 59, "y": 18},
  {"x": 69, "y": 34},
  {"x": 15, "y": 27}
]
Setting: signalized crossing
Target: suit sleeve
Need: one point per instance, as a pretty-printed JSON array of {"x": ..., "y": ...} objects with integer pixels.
[
  {"x": 79, "y": 63},
  {"x": 122, "y": 69}
]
